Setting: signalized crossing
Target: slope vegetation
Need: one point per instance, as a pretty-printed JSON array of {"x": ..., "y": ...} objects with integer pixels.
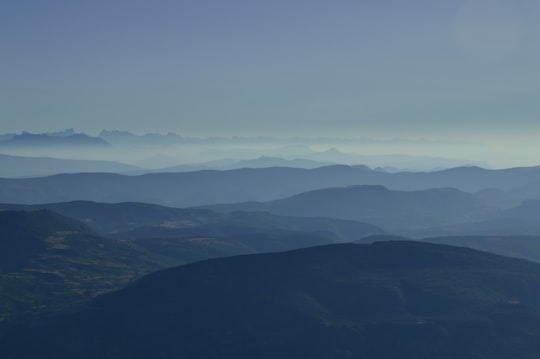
[
  {"x": 384, "y": 300},
  {"x": 48, "y": 262}
]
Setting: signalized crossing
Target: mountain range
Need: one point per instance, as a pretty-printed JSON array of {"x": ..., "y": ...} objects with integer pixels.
[
  {"x": 44, "y": 140},
  {"x": 447, "y": 301},
  {"x": 266, "y": 257},
  {"x": 24, "y": 166},
  {"x": 153, "y": 150},
  {"x": 49, "y": 262},
  {"x": 259, "y": 162},
  {"x": 137, "y": 220},
  {"x": 186, "y": 235},
  {"x": 391, "y": 210},
  {"x": 504, "y": 187}
]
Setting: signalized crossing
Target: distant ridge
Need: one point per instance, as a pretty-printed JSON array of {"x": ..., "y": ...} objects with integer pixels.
[
  {"x": 128, "y": 138},
  {"x": 390, "y": 209},
  {"x": 22, "y": 166},
  {"x": 27, "y": 139},
  {"x": 259, "y": 162},
  {"x": 264, "y": 184}
]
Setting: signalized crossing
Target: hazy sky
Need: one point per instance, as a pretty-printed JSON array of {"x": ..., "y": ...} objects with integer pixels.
[{"x": 418, "y": 68}]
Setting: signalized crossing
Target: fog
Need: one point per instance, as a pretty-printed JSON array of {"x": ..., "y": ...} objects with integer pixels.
[{"x": 161, "y": 151}]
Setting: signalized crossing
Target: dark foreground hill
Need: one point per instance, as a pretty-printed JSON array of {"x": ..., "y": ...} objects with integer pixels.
[{"x": 384, "y": 300}]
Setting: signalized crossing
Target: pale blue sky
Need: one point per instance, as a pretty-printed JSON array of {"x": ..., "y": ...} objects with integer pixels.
[{"x": 418, "y": 68}]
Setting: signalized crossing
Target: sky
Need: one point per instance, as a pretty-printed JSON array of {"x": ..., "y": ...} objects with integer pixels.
[{"x": 437, "y": 69}]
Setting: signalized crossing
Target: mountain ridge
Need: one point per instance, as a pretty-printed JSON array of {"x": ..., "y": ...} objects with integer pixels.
[
  {"x": 392, "y": 210},
  {"x": 12, "y": 166},
  {"x": 229, "y": 186},
  {"x": 27, "y": 139}
]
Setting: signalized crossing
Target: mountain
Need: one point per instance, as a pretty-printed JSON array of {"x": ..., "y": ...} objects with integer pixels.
[
  {"x": 395, "y": 161},
  {"x": 142, "y": 220},
  {"x": 26, "y": 139},
  {"x": 49, "y": 262},
  {"x": 264, "y": 184},
  {"x": 19, "y": 166},
  {"x": 259, "y": 162},
  {"x": 385, "y": 300},
  {"x": 391, "y": 210}
]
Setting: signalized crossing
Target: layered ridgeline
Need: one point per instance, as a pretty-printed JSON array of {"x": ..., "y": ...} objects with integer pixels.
[
  {"x": 132, "y": 220},
  {"x": 191, "y": 234},
  {"x": 49, "y": 262},
  {"x": 40, "y": 141},
  {"x": 434, "y": 212},
  {"x": 19, "y": 166},
  {"x": 431, "y": 212},
  {"x": 385, "y": 300},
  {"x": 398, "y": 211},
  {"x": 210, "y": 187}
]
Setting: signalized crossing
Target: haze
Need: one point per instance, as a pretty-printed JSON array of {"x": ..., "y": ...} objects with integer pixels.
[{"x": 448, "y": 72}]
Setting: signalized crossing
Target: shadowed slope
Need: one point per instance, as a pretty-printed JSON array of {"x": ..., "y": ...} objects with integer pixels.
[
  {"x": 385, "y": 300},
  {"x": 390, "y": 209},
  {"x": 48, "y": 262}
]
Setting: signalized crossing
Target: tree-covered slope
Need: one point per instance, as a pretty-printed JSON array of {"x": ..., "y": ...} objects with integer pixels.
[
  {"x": 384, "y": 300},
  {"x": 48, "y": 262}
]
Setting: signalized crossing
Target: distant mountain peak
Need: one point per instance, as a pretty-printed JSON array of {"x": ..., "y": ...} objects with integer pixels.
[{"x": 64, "y": 138}]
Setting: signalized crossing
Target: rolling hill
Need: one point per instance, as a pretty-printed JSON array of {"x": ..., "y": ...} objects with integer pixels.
[
  {"x": 384, "y": 300},
  {"x": 49, "y": 262},
  {"x": 392, "y": 210},
  {"x": 136, "y": 220}
]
